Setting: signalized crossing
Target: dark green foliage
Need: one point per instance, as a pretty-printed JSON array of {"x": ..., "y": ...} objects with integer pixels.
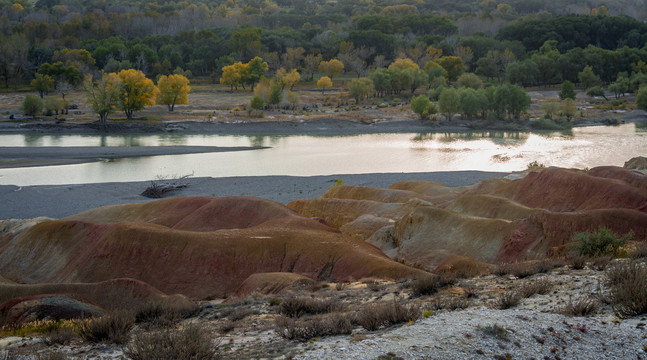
[
  {"x": 567, "y": 91},
  {"x": 599, "y": 242}
]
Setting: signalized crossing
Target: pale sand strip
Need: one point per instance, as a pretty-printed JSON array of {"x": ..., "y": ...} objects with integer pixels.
[{"x": 12, "y": 157}]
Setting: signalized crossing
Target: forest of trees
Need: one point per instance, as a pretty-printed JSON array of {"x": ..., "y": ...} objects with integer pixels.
[{"x": 235, "y": 42}]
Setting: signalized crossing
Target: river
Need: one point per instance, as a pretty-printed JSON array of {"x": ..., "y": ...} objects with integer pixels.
[{"x": 324, "y": 155}]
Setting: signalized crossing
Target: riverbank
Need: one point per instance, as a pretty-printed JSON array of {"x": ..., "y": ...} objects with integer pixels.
[
  {"x": 57, "y": 201},
  {"x": 348, "y": 123}
]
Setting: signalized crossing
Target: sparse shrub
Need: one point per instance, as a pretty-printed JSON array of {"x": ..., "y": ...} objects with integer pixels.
[
  {"x": 430, "y": 284},
  {"x": 385, "y": 314},
  {"x": 340, "y": 286},
  {"x": 192, "y": 342},
  {"x": 600, "y": 242},
  {"x": 640, "y": 252},
  {"x": 600, "y": 263},
  {"x": 531, "y": 288},
  {"x": 450, "y": 303},
  {"x": 577, "y": 262},
  {"x": 496, "y": 331},
  {"x": 111, "y": 328},
  {"x": 320, "y": 325},
  {"x": 373, "y": 285},
  {"x": 535, "y": 164},
  {"x": 507, "y": 300},
  {"x": 240, "y": 314},
  {"x": 59, "y": 336},
  {"x": 582, "y": 306},
  {"x": 298, "y": 306},
  {"x": 628, "y": 283},
  {"x": 162, "y": 314},
  {"x": 519, "y": 270},
  {"x": 274, "y": 302}
]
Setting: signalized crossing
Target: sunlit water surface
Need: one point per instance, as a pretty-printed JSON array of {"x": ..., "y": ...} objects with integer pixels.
[{"x": 321, "y": 155}]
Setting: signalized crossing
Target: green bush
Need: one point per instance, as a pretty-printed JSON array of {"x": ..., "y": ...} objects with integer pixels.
[
  {"x": 600, "y": 242},
  {"x": 32, "y": 105}
]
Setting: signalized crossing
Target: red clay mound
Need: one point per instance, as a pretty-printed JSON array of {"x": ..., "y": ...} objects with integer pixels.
[
  {"x": 116, "y": 294},
  {"x": 269, "y": 283},
  {"x": 564, "y": 190},
  {"x": 198, "y": 264},
  {"x": 438, "y": 192},
  {"x": 631, "y": 177},
  {"x": 192, "y": 213},
  {"x": 48, "y": 307}
]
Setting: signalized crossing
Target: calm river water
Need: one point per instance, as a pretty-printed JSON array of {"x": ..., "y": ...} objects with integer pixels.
[{"x": 320, "y": 155}]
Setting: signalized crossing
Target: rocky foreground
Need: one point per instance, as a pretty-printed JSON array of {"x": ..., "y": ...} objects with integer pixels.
[{"x": 345, "y": 255}]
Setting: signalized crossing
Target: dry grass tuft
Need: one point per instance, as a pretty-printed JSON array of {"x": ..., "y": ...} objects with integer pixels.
[
  {"x": 192, "y": 342},
  {"x": 507, "y": 300},
  {"x": 319, "y": 325},
  {"x": 582, "y": 306},
  {"x": 431, "y": 284},
  {"x": 295, "y": 307},
  {"x": 628, "y": 283},
  {"x": 113, "y": 328},
  {"x": 530, "y": 288},
  {"x": 386, "y": 314}
]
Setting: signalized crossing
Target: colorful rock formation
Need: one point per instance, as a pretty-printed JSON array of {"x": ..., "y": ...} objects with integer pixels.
[
  {"x": 425, "y": 224},
  {"x": 201, "y": 247}
]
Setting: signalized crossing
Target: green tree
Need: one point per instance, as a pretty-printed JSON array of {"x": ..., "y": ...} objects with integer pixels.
[
  {"x": 471, "y": 102},
  {"x": 596, "y": 91},
  {"x": 137, "y": 91},
  {"x": 103, "y": 95},
  {"x": 381, "y": 79},
  {"x": 422, "y": 106},
  {"x": 255, "y": 69},
  {"x": 449, "y": 102},
  {"x": 588, "y": 78},
  {"x": 511, "y": 99},
  {"x": 42, "y": 83},
  {"x": 469, "y": 80},
  {"x": 567, "y": 91},
  {"x": 32, "y": 105},
  {"x": 453, "y": 65},
  {"x": 173, "y": 89},
  {"x": 360, "y": 88},
  {"x": 641, "y": 98},
  {"x": 619, "y": 87},
  {"x": 550, "y": 107}
]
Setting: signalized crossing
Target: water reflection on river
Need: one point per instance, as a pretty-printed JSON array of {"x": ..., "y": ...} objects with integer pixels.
[{"x": 321, "y": 155}]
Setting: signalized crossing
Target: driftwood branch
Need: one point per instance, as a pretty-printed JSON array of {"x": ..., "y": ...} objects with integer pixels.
[{"x": 161, "y": 186}]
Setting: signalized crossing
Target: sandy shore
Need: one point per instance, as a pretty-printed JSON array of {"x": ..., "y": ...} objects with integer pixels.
[
  {"x": 11, "y": 157},
  {"x": 58, "y": 201}
]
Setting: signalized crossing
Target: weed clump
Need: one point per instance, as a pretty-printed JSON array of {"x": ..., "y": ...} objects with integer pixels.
[
  {"x": 295, "y": 307},
  {"x": 113, "y": 328},
  {"x": 431, "y": 284},
  {"x": 189, "y": 343},
  {"x": 628, "y": 288},
  {"x": 386, "y": 314},
  {"x": 582, "y": 306}
]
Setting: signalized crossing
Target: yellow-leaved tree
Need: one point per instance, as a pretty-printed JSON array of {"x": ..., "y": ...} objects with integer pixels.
[
  {"x": 323, "y": 83},
  {"x": 331, "y": 68},
  {"x": 137, "y": 91},
  {"x": 232, "y": 75},
  {"x": 173, "y": 89}
]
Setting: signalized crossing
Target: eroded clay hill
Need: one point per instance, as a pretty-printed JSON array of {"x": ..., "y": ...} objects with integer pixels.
[
  {"x": 200, "y": 247},
  {"x": 429, "y": 225}
]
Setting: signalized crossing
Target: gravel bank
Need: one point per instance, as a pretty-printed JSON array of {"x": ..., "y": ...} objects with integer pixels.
[
  {"x": 58, "y": 201},
  {"x": 483, "y": 333}
]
